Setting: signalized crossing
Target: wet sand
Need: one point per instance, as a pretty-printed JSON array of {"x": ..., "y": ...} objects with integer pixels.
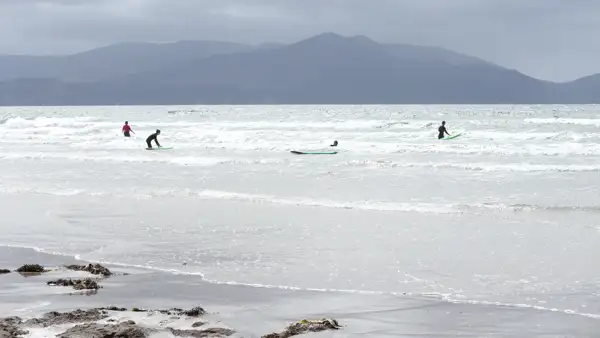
[{"x": 253, "y": 311}]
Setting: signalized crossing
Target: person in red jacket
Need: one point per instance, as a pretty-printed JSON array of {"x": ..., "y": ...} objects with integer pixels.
[{"x": 126, "y": 129}]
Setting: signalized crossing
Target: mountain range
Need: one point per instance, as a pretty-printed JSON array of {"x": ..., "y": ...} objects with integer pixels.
[{"x": 324, "y": 69}]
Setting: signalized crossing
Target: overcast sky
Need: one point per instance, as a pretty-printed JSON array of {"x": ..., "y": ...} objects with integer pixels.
[{"x": 548, "y": 39}]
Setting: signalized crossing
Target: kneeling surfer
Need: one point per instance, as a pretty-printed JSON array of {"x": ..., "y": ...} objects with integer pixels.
[
  {"x": 153, "y": 137},
  {"x": 442, "y": 130},
  {"x": 335, "y": 143}
]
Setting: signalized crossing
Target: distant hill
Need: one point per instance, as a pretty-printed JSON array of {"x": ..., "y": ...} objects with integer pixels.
[
  {"x": 111, "y": 61},
  {"x": 324, "y": 69},
  {"x": 584, "y": 90}
]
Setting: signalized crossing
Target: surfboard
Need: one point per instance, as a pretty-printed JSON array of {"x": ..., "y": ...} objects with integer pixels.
[
  {"x": 452, "y": 137},
  {"x": 160, "y": 148},
  {"x": 313, "y": 152}
]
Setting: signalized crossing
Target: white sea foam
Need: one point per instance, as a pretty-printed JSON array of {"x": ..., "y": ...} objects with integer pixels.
[
  {"x": 492, "y": 167},
  {"x": 522, "y": 306},
  {"x": 373, "y": 136},
  {"x": 575, "y": 121},
  {"x": 179, "y": 160},
  {"x": 367, "y": 205}
]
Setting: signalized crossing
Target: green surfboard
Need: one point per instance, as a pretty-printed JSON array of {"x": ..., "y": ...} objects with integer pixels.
[
  {"x": 452, "y": 137},
  {"x": 313, "y": 152},
  {"x": 160, "y": 148}
]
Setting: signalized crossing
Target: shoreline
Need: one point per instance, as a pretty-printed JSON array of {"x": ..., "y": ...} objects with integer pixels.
[{"x": 253, "y": 311}]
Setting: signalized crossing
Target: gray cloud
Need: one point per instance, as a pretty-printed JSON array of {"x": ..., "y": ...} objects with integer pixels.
[{"x": 550, "y": 39}]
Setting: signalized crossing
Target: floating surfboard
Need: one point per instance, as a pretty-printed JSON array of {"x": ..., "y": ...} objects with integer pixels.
[
  {"x": 160, "y": 148},
  {"x": 313, "y": 152},
  {"x": 451, "y": 137}
]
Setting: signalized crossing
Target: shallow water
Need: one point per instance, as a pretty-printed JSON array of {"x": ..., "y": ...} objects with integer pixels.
[{"x": 508, "y": 213}]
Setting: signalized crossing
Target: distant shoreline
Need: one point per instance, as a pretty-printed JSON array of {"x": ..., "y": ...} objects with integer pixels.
[{"x": 299, "y": 104}]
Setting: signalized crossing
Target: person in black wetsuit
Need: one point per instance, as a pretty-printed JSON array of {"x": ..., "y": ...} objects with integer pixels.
[
  {"x": 153, "y": 137},
  {"x": 442, "y": 130}
]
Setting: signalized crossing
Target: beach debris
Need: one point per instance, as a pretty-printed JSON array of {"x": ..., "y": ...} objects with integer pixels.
[
  {"x": 306, "y": 326},
  {"x": 10, "y": 327},
  {"x": 77, "y": 284},
  {"x": 126, "y": 329},
  {"x": 4, "y": 271},
  {"x": 105, "y": 323},
  {"x": 194, "y": 312},
  {"x": 171, "y": 312},
  {"x": 113, "y": 308},
  {"x": 94, "y": 269},
  {"x": 60, "y": 318},
  {"x": 31, "y": 268},
  {"x": 212, "y": 332}
]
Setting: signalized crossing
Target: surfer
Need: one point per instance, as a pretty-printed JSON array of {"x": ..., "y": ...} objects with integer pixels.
[
  {"x": 442, "y": 130},
  {"x": 335, "y": 143},
  {"x": 127, "y": 129},
  {"x": 153, "y": 137}
]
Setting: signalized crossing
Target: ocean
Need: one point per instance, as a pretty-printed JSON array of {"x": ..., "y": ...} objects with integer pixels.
[{"x": 507, "y": 214}]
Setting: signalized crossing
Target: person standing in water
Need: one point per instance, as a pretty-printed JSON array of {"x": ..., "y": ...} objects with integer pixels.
[
  {"x": 153, "y": 137},
  {"x": 127, "y": 129},
  {"x": 442, "y": 130}
]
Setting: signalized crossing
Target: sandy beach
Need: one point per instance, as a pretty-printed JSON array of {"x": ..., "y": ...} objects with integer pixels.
[{"x": 252, "y": 312}]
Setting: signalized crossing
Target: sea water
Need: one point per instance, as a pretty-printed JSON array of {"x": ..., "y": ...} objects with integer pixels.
[{"x": 508, "y": 213}]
